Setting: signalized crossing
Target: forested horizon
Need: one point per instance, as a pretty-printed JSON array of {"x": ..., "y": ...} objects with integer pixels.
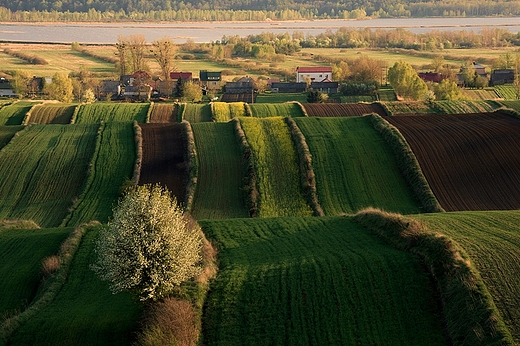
[{"x": 246, "y": 10}]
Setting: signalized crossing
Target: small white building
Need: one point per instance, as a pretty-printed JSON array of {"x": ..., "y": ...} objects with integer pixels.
[
  {"x": 6, "y": 88},
  {"x": 315, "y": 73}
]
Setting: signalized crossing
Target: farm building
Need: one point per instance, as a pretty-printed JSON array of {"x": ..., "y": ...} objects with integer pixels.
[
  {"x": 184, "y": 75},
  {"x": 502, "y": 76},
  {"x": 6, "y": 89},
  {"x": 288, "y": 87},
  {"x": 109, "y": 88},
  {"x": 244, "y": 85},
  {"x": 210, "y": 80},
  {"x": 431, "y": 77},
  {"x": 325, "y": 87},
  {"x": 315, "y": 73}
]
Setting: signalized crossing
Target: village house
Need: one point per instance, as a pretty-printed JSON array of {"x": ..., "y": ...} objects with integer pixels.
[
  {"x": 314, "y": 73},
  {"x": 6, "y": 89},
  {"x": 502, "y": 76},
  {"x": 210, "y": 81}
]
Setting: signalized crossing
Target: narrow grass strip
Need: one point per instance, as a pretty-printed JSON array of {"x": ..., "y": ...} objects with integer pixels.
[
  {"x": 52, "y": 286},
  {"x": 470, "y": 314},
  {"x": 307, "y": 176},
  {"x": 27, "y": 116},
  {"x": 407, "y": 163},
  {"x": 138, "y": 138},
  {"x": 385, "y": 107},
  {"x": 193, "y": 166},
  {"x": 149, "y": 112},
  {"x": 74, "y": 116}
]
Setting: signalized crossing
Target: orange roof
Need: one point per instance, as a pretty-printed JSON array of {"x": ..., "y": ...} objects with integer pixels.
[{"x": 314, "y": 69}]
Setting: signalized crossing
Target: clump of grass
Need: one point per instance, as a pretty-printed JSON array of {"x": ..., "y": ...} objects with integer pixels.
[
  {"x": 149, "y": 112},
  {"x": 138, "y": 137},
  {"x": 180, "y": 107},
  {"x": 304, "y": 111},
  {"x": 307, "y": 177},
  {"x": 470, "y": 314},
  {"x": 18, "y": 224},
  {"x": 250, "y": 178},
  {"x": 50, "y": 265},
  {"x": 407, "y": 163},
  {"x": 192, "y": 162}
]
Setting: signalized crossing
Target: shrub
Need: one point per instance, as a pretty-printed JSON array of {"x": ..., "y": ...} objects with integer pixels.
[{"x": 148, "y": 248}]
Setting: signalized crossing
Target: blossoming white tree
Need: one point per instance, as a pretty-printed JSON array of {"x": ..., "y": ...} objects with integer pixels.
[{"x": 148, "y": 248}]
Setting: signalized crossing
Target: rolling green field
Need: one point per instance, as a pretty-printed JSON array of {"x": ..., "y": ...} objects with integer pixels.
[
  {"x": 7, "y": 133},
  {"x": 461, "y": 107},
  {"x": 492, "y": 240},
  {"x": 309, "y": 281},
  {"x": 354, "y": 167},
  {"x": 106, "y": 111},
  {"x": 273, "y": 110},
  {"x": 223, "y": 111},
  {"x": 219, "y": 193},
  {"x": 196, "y": 113},
  {"x": 281, "y": 98},
  {"x": 276, "y": 167},
  {"x": 14, "y": 114},
  {"x": 112, "y": 164},
  {"x": 51, "y": 114},
  {"x": 23, "y": 251},
  {"x": 43, "y": 170},
  {"x": 84, "y": 312}
]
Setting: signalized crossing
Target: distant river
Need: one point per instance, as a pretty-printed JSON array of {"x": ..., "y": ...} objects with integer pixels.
[{"x": 212, "y": 31}]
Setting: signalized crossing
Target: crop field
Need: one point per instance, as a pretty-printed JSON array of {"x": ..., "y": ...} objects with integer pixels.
[
  {"x": 276, "y": 167},
  {"x": 511, "y": 104},
  {"x": 462, "y": 107},
  {"x": 409, "y": 107},
  {"x": 112, "y": 164},
  {"x": 507, "y": 92},
  {"x": 354, "y": 168},
  {"x": 276, "y": 109},
  {"x": 310, "y": 281},
  {"x": 164, "y": 157},
  {"x": 22, "y": 254},
  {"x": 342, "y": 110},
  {"x": 7, "y": 133},
  {"x": 43, "y": 170},
  {"x": 481, "y": 94},
  {"x": 163, "y": 113},
  {"x": 492, "y": 240},
  {"x": 107, "y": 111},
  {"x": 51, "y": 114},
  {"x": 196, "y": 113},
  {"x": 221, "y": 171},
  {"x": 386, "y": 94},
  {"x": 471, "y": 161},
  {"x": 357, "y": 99},
  {"x": 248, "y": 98},
  {"x": 14, "y": 114},
  {"x": 281, "y": 97},
  {"x": 84, "y": 312},
  {"x": 223, "y": 111}
]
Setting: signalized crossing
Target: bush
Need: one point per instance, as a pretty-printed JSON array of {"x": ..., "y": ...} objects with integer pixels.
[
  {"x": 359, "y": 88},
  {"x": 148, "y": 248}
]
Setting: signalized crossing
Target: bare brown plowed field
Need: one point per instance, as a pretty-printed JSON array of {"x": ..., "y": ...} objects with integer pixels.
[
  {"x": 163, "y": 113},
  {"x": 342, "y": 110},
  {"x": 164, "y": 148},
  {"x": 471, "y": 161}
]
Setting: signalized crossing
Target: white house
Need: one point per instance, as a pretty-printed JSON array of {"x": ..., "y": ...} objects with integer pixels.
[{"x": 315, "y": 73}]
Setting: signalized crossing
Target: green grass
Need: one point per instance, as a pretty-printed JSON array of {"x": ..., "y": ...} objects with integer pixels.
[
  {"x": 315, "y": 281},
  {"x": 84, "y": 311},
  {"x": 51, "y": 114},
  {"x": 386, "y": 94},
  {"x": 507, "y": 92},
  {"x": 196, "y": 113},
  {"x": 15, "y": 113},
  {"x": 462, "y": 107},
  {"x": 481, "y": 94},
  {"x": 400, "y": 107},
  {"x": 492, "y": 240},
  {"x": 219, "y": 193},
  {"x": 276, "y": 167},
  {"x": 354, "y": 167},
  {"x": 357, "y": 98},
  {"x": 112, "y": 164},
  {"x": 7, "y": 133},
  {"x": 511, "y": 104},
  {"x": 107, "y": 111},
  {"x": 22, "y": 252},
  {"x": 273, "y": 110},
  {"x": 43, "y": 170},
  {"x": 281, "y": 97}
]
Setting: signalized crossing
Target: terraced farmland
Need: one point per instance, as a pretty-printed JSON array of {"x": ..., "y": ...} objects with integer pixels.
[
  {"x": 51, "y": 114},
  {"x": 43, "y": 170},
  {"x": 164, "y": 157},
  {"x": 470, "y": 161},
  {"x": 223, "y": 111},
  {"x": 492, "y": 239},
  {"x": 219, "y": 193},
  {"x": 315, "y": 281},
  {"x": 7, "y": 133},
  {"x": 95, "y": 112},
  {"x": 163, "y": 113},
  {"x": 342, "y": 110},
  {"x": 23, "y": 251},
  {"x": 463, "y": 107},
  {"x": 263, "y": 110},
  {"x": 354, "y": 168},
  {"x": 276, "y": 167},
  {"x": 196, "y": 113},
  {"x": 14, "y": 114}
]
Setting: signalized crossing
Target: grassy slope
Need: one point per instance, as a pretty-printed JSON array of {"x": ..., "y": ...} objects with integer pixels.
[
  {"x": 276, "y": 167},
  {"x": 22, "y": 252},
  {"x": 272, "y": 110},
  {"x": 99, "y": 111},
  {"x": 52, "y": 114},
  {"x": 112, "y": 163},
  {"x": 195, "y": 113},
  {"x": 219, "y": 191},
  {"x": 42, "y": 170},
  {"x": 7, "y": 133},
  {"x": 14, "y": 114},
  {"x": 84, "y": 312},
  {"x": 492, "y": 240},
  {"x": 353, "y": 166},
  {"x": 314, "y": 281}
]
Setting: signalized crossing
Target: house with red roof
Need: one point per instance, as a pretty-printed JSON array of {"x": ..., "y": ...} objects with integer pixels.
[{"x": 315, "y": 73}]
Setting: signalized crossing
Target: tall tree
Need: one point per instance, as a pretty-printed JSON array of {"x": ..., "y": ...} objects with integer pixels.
[
  {"x": 122, "y": 47},
  {"x": 137, "y": 43},
  {"x": 163, "y": 51},
  {"x": 21, "y": 82},
  {"x": 60, "y": 88},
  {"x": 405, "y": 81}
]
